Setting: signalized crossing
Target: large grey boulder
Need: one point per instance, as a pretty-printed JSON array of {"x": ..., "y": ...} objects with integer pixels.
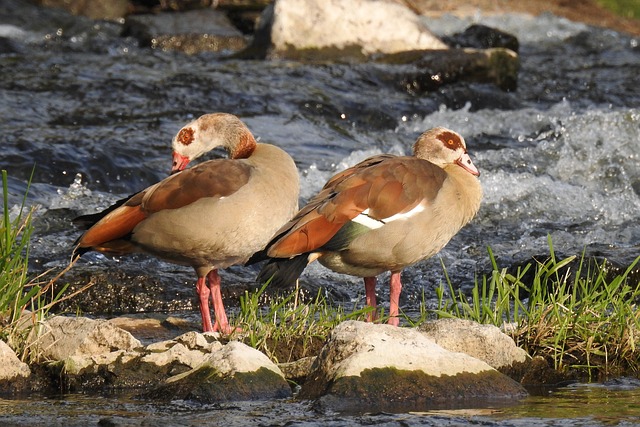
[
  {"x": 330, "y": 29},
  {"x": 368, "y": 366}
]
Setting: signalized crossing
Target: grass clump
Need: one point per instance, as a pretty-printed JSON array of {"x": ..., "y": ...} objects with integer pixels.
[
  {"x": 24, "y": 301},
  {"x": 569, "y": 311},
  {"x": 286, "y": 329}
]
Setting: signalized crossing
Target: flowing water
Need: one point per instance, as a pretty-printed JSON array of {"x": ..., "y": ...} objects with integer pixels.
[{"x": 95, "y": 114}]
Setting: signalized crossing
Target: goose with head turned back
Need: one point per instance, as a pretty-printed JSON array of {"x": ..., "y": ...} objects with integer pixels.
[
  {"x": 383, "y": 214},
  {"x": 211, "y": 216}
]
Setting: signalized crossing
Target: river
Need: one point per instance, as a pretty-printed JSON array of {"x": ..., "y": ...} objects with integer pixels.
[{"x": 95, "y": 114}]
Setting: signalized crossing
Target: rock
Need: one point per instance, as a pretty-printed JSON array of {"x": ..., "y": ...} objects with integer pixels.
[
  {"x": 62, "y": 337},
  {"x": 234, "y": 373},
  {"x": 482, "y": 37},
  {"x": 537, "y": 373},
  {"x": 193, "y": 31},
  {"x": 14, "y": 374},
  {"x": 140, "y": 367},
  {"x": 484, "y": 342},
  {"x": 94, "y": 9},
  {"x": 431, "y": 69},
  {"x": 154, "y": 327},
  {"x": 188, "y": 350},
  {"x": 297, "y": 371},
  {"x": 367, "y": 366},
  {"x": 335, "y": 29},
  {"x": 192, "y": 366}
]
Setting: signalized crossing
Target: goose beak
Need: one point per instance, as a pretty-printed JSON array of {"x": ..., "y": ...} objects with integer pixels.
[
  {"x": 465, "y": 162},
  {"x": 179, "y": 162}
]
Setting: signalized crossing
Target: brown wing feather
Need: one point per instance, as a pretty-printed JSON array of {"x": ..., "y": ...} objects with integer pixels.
[
  {"x": 215, "y": 178},
  {"x": 385, "y": 185},
  {"x": 113, "y": 226}
]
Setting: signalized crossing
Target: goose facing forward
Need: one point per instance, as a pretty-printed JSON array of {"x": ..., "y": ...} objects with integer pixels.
[{"x": 383, "y": 214}]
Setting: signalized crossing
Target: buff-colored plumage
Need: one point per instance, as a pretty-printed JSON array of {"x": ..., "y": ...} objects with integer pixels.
[
  {"x": 206, "y": 216},
  {"x": 383, "y": 214}
]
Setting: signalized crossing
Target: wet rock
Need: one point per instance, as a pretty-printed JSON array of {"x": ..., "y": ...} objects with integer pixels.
[
  {"x": 482, "y": 37},
  {"x": 94, "y": 9},
  {"x": 193, "y": 31},
  {"x": 234, "y": 373},
  {"x": 62, "y": 337},
  {"x": 484, "y": 342},
  {"x": 536, "y": 373},
  {"x": 189, "y": 350},
  {"x": 334, "y": 29},
  {"x": 297, "y": 371},
  {"x": 192, "y": 366},
  {"x": 431, "y": 69},
  {"x": 380, "y": 367},
  {"x": 14, "y": 374},
  {"x": 140, "y": 367}
]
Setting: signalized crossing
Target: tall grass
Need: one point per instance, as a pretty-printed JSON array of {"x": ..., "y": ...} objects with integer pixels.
[
  {"x": 569, "y": 311},
  {"x": 15, "y": 236},
  {"x": 24, "y": 300}
]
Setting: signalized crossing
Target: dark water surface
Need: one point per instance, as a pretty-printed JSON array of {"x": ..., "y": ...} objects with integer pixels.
[
  {"x": 96, "y": 113},
  {"x": 578, "y": 405}
]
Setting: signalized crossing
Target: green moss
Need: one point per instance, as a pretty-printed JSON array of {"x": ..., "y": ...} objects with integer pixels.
[
  {"x": 207, "y": 385},
  {"x": 394, "y": 390}
]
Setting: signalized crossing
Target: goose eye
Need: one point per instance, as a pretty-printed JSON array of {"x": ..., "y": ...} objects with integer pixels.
[{"x": 450, "y": 142}]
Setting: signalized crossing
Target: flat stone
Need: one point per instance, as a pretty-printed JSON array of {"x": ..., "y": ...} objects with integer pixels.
[
  {"x": 63, "y": 337},
  {"x": 430, "y": 69},
  {"x": 204, "y": 30},
  {"x": 94, "y": 9}
]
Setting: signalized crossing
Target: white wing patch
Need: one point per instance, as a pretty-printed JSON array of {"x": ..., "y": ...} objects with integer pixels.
[
  {"x": 372, "y": 223},
  {"x": 367, "y": 221}
]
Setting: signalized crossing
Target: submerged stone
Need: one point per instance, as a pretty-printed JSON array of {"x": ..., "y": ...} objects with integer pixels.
[
  {"x": 431, "y": 69},
  {"x": 191, "y": 32}
]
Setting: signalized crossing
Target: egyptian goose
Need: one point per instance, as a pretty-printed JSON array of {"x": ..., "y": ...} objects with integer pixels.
[
  {"x": 211, "y": 216},
  {"x": 383, "y": 214}
]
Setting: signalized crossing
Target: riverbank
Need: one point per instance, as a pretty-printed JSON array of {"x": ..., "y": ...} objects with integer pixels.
[{"x": 587, "y": 11}]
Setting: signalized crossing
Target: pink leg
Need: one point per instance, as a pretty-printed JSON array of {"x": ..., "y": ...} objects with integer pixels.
[
  {"x": 221, "y": 324},
  {"x": 203, "y": 296},
  {"x": 370, "y": 293},
  {"x": 395, "y": 286}
]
